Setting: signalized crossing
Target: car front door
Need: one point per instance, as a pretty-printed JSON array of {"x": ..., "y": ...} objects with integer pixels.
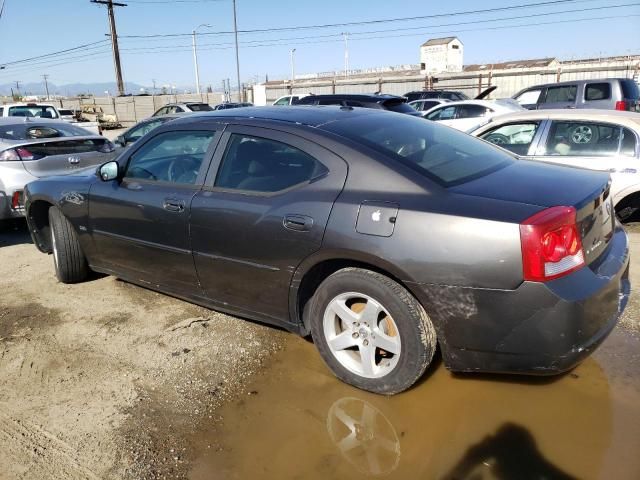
[
  {"x": 263, "y": 209},
  {"x": 520, "y": 138},
  {"x": 140, "y": 223}
]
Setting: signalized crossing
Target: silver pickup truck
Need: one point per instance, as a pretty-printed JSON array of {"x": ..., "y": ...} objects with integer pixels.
[{"x": 44, "y": 110}]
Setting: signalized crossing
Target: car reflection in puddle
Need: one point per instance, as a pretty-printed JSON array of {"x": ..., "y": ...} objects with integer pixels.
[{"x": 303, "y": 423}]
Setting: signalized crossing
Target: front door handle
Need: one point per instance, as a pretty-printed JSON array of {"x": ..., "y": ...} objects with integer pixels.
[
  {"x": 299, "y": 223},
  {"x": 171, "y": 205}
]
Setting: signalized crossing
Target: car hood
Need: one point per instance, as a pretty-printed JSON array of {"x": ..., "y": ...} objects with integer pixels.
[{"x": 537, "y": 183}]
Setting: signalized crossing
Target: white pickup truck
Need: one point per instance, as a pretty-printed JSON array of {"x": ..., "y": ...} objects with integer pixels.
[{"x": 44, "y": 110}]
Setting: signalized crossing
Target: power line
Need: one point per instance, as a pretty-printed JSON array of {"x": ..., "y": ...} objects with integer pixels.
[
  {"x": 175, "y": 1},
  {"x": 79, "y": 47},
  {"x": 370, "y": 22}
]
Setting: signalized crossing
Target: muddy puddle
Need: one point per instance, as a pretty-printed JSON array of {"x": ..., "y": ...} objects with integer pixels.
[{"x": 297, "y": 421}]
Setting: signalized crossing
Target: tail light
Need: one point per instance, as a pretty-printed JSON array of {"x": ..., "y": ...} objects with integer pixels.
[
  {"x": 107, "y": 147},
  {"x": 9, "y": 156},
  {"x": 16, "y": 200},
  {"x": 26, "y": 154},
  {"x": 621, "y": 105},
  {"x": 551, "y": 244}
]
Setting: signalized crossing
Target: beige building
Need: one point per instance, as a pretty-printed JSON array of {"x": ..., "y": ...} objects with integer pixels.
[{"x": 441, "y": 55}]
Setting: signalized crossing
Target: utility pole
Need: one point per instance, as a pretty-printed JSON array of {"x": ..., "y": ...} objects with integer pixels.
[
  {"x": 114, "y": 40},
  {"x": 18, "y": 87},
  {"x": 346, "y": 53},
  {"x": 293, "y": 68},
  {"x": 195, "y": 54},
  {"x": 46, "y": 84},
  {"x": 235, "y": 31},
  {"x": 154, "y": 86}
]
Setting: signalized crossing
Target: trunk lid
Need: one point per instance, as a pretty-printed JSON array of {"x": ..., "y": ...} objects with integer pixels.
[
  {"x": 548, "y": 185},
  {"x": 63, "y": 156}
]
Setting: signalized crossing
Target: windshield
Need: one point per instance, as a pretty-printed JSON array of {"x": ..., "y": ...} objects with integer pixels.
[
  {"x": 29, "y": 131},
  {"x": 440, "y": 153},
  {"x": 199, "y": 107},
  {"x": 41, "y": 111}
]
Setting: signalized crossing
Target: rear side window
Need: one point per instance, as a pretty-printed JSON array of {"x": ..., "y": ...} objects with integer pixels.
[
  {"x": 587, "y": 139},
  {"x": 261, "y": 165},
  {"x": 398, "y": 106},
  {"x": 630, "y": 89},
  {"x": 445, "y": 113},
  {"x": 515, "y": 137},
  {"x": 597, "y": 91},
  {"x": 442, "y": 154},
  {"x": 472, "y": 111},
  {"x": 565, "y": 93}
]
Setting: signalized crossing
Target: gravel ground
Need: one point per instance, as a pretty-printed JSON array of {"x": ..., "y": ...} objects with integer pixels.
[{"x": 104, "y": 379}]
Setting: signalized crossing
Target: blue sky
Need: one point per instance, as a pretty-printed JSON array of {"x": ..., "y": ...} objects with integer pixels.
[{"x": 34, "y": 27}]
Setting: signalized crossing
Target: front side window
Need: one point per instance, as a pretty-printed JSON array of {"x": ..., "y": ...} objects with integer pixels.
[
  {"x": 566, "y": 93},
  {"x": 584, "y": 139},
  {"x": 174, "y": 157},
  {"x": 530, "y": 97},
  {"x": 445, "y": 113},
  {"x": 442, "y": 154},
  {"x": 260, "y": 165},
  {"x": 282, "y": 101},
  {"x": 162, "y": 111},
  {"x": 597, "y": 91},
  {"x": 515, "y": 137}
]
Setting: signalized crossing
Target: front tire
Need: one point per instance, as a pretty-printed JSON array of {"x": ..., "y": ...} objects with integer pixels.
[
  {"x": 68, "y": 258},
  {"x": 370, "y": 331}
]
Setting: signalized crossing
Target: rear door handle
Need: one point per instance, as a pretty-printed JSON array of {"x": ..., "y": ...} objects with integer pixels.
[
  {"x": 299, "y": 223},
  {"x": 171, "y": 205}
]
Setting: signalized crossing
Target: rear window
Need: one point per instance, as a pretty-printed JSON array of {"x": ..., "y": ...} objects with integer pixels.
[
  {"x": 398, "y": 106},
  {"x": 31, "y": 131},
  {"x": 200, "y": 107},
  {"x": 442, "y": 154},
  {"x": 65, "y": 112},
  {"x": 39, "y": 111},
  {"x": 630, "y": 89},
  {"x": 64, "y": 147}
]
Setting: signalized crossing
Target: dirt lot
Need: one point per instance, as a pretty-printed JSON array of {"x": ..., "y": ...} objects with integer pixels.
[{"x": 108, "y": 380}]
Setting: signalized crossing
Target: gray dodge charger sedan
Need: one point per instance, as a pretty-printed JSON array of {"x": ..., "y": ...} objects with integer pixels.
[{"x": 379, "y": 234}]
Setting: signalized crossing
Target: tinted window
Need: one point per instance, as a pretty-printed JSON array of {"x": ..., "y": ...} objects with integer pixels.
[
  {"x": 472, "y": 111},
  {"x": 516, "y": 137},
  {"x": 597, "y": 91},
  {"x": 65, "y": 147},
  {"x": 142, "y": 129},
  {"x": 583, "y": 139},
  {"x": 566, "y": 93},
  {"x": 424, "y": 106},
  {"x": 171, "y": 157},
  {"x": 63, "y": 111},
  {"x": 41, "y": 111},
  {"x": 398, "y": 106},
  {"x": 332, "y": 101},
  {"x": 199, "y": 107},
  {"x": 630, "y": 89},
  {"x": 442, "y": 154},
  {"x": 530, "y": 97},
  {"x": 31, "y": 131},
  {"x": 1, "y": 111},
  {"x": 261, "y": 165},
  {"x": 445, "y": 113}
]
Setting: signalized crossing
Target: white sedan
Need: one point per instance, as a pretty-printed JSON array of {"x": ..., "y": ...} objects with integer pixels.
[
  {"x": 467, "y": 114},
  {"x": 605, "y": 140}
]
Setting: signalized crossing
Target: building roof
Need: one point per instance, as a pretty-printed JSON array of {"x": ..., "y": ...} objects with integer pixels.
[
  {"x": 536, "y": 62},
  {"x": 440, "y": 41}
]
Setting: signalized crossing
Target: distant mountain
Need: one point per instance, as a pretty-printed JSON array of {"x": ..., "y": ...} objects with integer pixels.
[{"x": 71, "y": 89}]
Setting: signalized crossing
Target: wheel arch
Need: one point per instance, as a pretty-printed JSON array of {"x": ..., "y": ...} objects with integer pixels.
[
  {"x": 38, "y": 220},
  {"x": 314, "y": 270},
  {"x": 628, "y": 198}
]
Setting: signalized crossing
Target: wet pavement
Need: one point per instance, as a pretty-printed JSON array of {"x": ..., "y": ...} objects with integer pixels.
[{"x": 299, "y": 422}]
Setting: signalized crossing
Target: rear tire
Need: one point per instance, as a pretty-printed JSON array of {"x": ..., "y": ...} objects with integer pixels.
[
  {"x": 370, "y": 331},
  {"x": 68, "y": 258}
]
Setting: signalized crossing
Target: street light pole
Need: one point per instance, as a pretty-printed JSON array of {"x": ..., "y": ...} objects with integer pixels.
[
  {"x": 195, "y": 54},
  {"x": 235, "y": 31},
  {"x": 293, "y": 68}
]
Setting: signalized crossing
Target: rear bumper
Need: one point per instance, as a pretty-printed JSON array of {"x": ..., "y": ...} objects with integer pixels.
[
  {"x": 538, "y": 328},
  {"x": 6, "y": 212}
]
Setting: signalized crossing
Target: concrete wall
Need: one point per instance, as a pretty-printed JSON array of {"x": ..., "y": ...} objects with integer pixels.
[{"x": 508, "y": 81}]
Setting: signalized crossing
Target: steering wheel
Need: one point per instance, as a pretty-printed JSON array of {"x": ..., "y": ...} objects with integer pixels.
[
  {"x": 182, "y": 166},
  {"x": 149, "y": 174}
]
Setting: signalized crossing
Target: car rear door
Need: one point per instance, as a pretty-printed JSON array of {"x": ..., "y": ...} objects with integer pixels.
[
  {"x": 263, "y": 209},
  {"x": 140, "y": 224},
  {"x": 560, "y": 96}
]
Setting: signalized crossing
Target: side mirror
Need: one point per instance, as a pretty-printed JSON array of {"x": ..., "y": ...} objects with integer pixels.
[
  {"x": 109, "y": 171},
  {"x": 120, "y": 140}
]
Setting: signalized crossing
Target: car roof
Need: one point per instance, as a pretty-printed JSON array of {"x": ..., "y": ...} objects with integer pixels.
[
  {"x": 500, "y": 104},
  {"x": 628, "y": 119},
  {"x": 310, "y": 115},
  {"x": 372, "y": 97},
  {"x": 574, "y": 82}
]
